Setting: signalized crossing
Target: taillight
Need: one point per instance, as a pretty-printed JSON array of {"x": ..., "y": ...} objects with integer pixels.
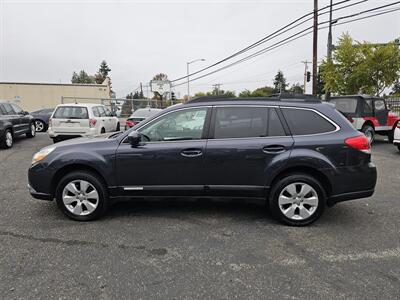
[
  {"x": 360, "y": 143},
  {"x": 350, "y": 119},
  {"x": 50, "y": 122},
  {"x": 92, "y": 122},
  {"x": 131, "y": 123}
]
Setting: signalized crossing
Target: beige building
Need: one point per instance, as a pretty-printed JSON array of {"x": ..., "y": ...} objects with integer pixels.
[{"x": 33, "y": 96}]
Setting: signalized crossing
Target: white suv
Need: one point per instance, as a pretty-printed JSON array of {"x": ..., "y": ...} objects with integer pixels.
[
  {"x": 396, "y": 136},
  {"x": 82, "y": 119}
]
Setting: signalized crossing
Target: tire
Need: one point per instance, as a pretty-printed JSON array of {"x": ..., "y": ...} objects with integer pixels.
[
  {"x": 118, "y": 127},
  {"x": 369, "y": 132},
  {"x": 32, "y": 131},
  {"x": 302, "y": 210},
  {"x": 40, "y": 126},
  {"x": 7, "y": 140},
  {"x": 84, "y": 206},
  {"x": 398, "y": 147},
  {"x": 102, "y": 130},
  {"x": 391, "y": 134}
]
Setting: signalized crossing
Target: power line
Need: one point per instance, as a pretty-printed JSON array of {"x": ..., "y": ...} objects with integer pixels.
[
  {"x": 294, "y": 37},
  {"x": 265, "y": 39}
]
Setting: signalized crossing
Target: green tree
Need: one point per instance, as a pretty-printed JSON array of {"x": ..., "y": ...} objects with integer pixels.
[
  {"x": 263, "y": 92},
  {"x": 296, "y": 89},
  {"x": 279, "y": 82},
  {"x": 200, "y": 94},
  {"x": 157, "y": 95},
  {"x": 102, "y": 73},
  {"x": 361, "y": 67},
  {"x": 82, "y": 77},
  {"x": 245, "y": 94}
]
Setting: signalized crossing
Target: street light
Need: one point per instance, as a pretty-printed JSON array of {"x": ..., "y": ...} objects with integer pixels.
[{"x": 187, "y": 69}]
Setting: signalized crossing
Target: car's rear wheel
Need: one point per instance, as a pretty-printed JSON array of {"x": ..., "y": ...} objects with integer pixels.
[
  {"x": 297, "y": 199},
  {"x": 398, "y": 147},
  {"x": 118, "y": 127},
  {"x": 102, "y": 130},
  {"x": 40, "y": 126},
  {"x": 82, "y": 196},
  {"x": 32, "y": 131},
  {"x": 369, "y": 132},
  {"x": 7, "y": 140}
]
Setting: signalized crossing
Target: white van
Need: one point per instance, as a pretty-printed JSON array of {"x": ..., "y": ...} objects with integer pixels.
[{"x": 82, "y": 119}]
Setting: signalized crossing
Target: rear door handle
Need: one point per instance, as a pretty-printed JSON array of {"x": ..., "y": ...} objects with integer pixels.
[
  {"x": 191, "y": 152},
  {"x": 274, "y": 149}
]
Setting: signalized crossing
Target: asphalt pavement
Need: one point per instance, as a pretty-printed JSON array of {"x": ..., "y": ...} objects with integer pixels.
[{"x": 203, "y": 249}]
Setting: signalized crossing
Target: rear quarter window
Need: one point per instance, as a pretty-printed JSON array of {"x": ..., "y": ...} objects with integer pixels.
[
  {"x": 71, "y": 112},
  {"x": 304, "y": 122}
]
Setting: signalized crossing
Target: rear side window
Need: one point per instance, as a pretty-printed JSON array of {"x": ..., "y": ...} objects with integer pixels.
[
  {"x": 243, "y": 122},
  {"x": 95, "y": 112},
  {"x": 303, "y": 122},
  {"x": 102, "y": 112},
  {"x": 345, "y": 105},
  {"x": 71, "y": 112}
]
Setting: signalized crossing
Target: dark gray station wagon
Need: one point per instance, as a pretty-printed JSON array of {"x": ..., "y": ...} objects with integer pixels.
[{"x": 297, "y": 155}]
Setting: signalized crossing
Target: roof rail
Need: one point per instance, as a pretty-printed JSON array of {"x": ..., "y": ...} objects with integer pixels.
[{"x": 275, "y": 97}]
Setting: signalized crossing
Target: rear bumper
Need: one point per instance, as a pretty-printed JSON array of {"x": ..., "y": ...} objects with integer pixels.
[
  {"x": 65, "y": 134},
  {"x": 350, "y": 183},
  {"x": 38, "y": 195},
  {"x": 350, "y": 196}
]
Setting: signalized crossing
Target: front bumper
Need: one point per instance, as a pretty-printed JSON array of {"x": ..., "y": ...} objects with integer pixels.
[{"x": 40, "y": 196}]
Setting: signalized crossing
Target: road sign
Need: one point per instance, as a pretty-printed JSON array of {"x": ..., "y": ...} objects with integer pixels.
[{"x": 160, "y": 86}]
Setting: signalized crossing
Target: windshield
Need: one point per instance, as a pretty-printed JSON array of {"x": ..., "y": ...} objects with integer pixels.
[
  {"x": 71, "y": 112},
  {"x": 345, "y": 105}
]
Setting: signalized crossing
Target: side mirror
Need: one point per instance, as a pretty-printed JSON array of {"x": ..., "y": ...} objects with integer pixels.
[
  {"x": 134, "y": 138},
  {"x": 24, "y": 113}
]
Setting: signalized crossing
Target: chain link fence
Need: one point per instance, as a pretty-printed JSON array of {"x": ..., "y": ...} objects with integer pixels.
[{"x": 394, "y": 104}]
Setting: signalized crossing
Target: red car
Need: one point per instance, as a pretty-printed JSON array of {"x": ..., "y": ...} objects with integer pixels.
[
  {"x": 139, "y": 115},
  {"x": 368, "y": 114}
]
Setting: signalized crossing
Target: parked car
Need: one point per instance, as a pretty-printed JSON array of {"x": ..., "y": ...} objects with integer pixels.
[
  {"x": 14, "y": 122},
  {"x": 77, "y": 120},
  {"x": 140, "y": 115},
  {"x": 396, "y": 138},
  {"x": 297, "y": 155},
  {"x": 42, "y": 117},
  {"x": 368, "y": 114}
]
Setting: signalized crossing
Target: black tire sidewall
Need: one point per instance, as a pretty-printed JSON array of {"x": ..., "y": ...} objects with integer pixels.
[
  {"x": 285, "y": 181},
  {"x": 118, "y": 127},
  {"x": 3, "y": 143},
  {"x": 96, "y": 182}
]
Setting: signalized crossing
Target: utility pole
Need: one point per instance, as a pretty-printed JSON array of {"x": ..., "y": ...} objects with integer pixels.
[
  {"x": 315, "y": 49},
  {"x": 141, "y": 90},
  {"x": 305, "y": 74},
  {"x": 217, "y": 87},
  {"x": 329, "y": 54}
]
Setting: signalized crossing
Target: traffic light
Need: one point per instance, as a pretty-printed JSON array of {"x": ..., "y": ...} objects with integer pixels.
[
  {"x": 308, "y": 76},
  {"x": 173, "y": 98}
]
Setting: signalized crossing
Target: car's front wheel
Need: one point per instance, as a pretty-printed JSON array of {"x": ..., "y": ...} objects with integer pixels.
[
  {"x": 40, "y": 126},
  {"x": 82, "y": 196},
  {"x": 297, "y": 199}
]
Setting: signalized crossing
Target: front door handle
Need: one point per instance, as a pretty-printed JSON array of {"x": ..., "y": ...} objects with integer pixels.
[
  {"x": 274, "y": 149},
  {"x": 191, "y": 152}
]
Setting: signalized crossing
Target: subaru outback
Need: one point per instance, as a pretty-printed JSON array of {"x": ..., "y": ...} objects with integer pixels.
[{"x": 296, "y": 155}]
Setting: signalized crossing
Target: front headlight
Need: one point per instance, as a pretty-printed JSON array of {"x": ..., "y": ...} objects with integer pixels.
[{"x": 42, "y": 154}]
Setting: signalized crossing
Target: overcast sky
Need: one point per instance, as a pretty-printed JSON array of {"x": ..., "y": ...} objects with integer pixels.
[{"x": 45, "y": 41}]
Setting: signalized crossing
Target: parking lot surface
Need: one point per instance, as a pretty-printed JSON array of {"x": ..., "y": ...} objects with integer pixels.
[{"x": 209, "y": 249}]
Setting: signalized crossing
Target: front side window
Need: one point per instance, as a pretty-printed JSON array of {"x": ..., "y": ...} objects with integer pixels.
[
  {"x": 304, "y": 122},
  {"x": 17, "y": 109},
  {"x": 185, "y": 124},
  {"x": 71, "y": 112}
]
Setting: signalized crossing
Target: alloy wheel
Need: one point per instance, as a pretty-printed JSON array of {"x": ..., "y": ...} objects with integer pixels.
[
  {"x": 298, "y": 201},
  {"x": 80, "y": 197},
  {"x": 39, "y": 126},
  {"x": 9, "y": 139}
]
